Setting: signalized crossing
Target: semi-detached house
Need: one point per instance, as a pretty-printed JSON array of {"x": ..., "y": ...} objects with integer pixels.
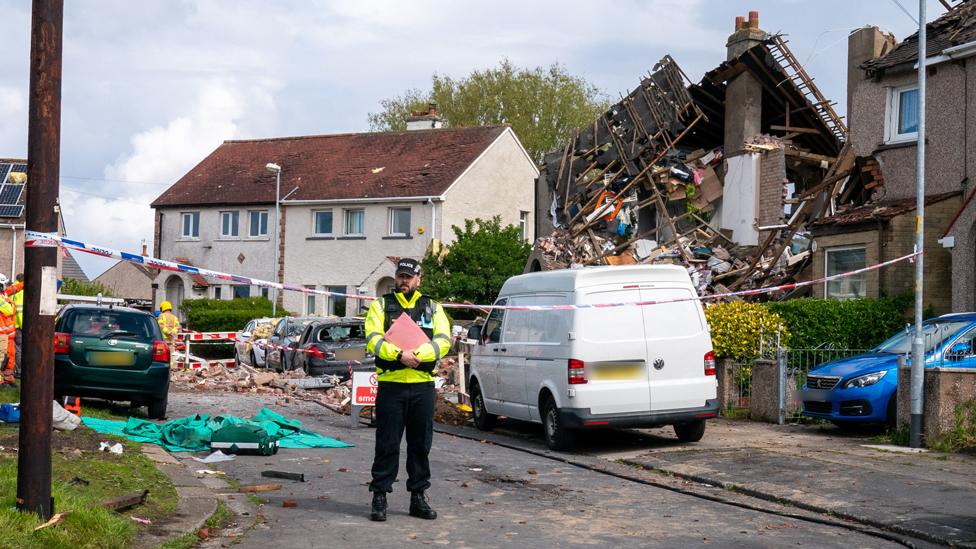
[{"x": 351, "y": 202}]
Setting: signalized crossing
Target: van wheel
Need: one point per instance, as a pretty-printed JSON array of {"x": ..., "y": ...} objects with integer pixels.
[
  {"x": 482, "y": 419},
  {"x": 558, "y": 437},
  {"x": 692, "y": 431},
  {"x": 157, "y": 408}
]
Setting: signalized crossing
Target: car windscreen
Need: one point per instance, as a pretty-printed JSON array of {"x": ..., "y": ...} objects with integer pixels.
[
  {"x": 340, "y": 332},
  {"x": 296, "y": 327},
  {"x": 101, "y": 323},
  {"x": 934, "y": 333}
]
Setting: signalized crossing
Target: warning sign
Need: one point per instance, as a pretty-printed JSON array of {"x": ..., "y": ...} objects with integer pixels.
[{"x": 364, "y": 388}]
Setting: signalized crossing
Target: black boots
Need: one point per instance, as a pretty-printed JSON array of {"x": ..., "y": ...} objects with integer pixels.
[
  {"x": 420, "y": 508},
  {"x": 377, "y": 511}
]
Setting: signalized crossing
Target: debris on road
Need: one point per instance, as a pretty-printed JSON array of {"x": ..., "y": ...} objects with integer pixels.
[
  {"x": 56, "y": 519},
  {"x": 125, "y": 502},
  {"x": 259, "y": 488},
  {"x": 300, "y": 477}
]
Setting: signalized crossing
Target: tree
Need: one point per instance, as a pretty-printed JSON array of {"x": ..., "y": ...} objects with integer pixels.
[
  {"x": 484, "y": 254},
  {"x": 543, "y": 106},
  {"x": 73, "y": 286}
]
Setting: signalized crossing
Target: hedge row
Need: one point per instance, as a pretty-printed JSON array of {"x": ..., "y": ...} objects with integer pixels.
[
  {"x": 219, "y": 315},
  {"x": 809, "y": 323}
]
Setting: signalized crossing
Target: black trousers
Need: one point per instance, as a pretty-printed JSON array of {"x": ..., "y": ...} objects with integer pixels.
[{"x": 400, "y": 406}]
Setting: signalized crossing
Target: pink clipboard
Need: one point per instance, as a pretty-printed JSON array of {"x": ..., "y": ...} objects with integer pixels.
[{"x": 405, "y": 334}]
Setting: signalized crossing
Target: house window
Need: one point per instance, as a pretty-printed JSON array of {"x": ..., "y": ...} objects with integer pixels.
[
  {"x": 842, "y": 260},
  {"x": 399, "y": 221},
  {"x": 310, "y": 302},
  {"x": 229, "y": 224},
  {"x": 264, "y": 292},
  {"x": 354, "y": 222},
  {"x": 901, "y": 122},
  {"x": 216, "y": 292},
  {"x": 191, "y": 224},
  {"x": 337, "y": 303},
  {"x": 523, "y": 224},
  {"x": 242, "y": 292},
  {"x": 258, "y": 223},
  {"x": 322, "y": 220}
]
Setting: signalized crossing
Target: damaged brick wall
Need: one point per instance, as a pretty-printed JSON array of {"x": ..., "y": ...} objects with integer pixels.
[{"x": 772, "y": 181}]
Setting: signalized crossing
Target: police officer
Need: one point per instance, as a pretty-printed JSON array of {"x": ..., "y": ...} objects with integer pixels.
[{"x": 405, "y": 398}]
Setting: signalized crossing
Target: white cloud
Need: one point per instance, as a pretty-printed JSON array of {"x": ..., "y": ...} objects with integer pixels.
[
  {"x": 117, "y": 214},
  {"x": 13, "y": 113}
]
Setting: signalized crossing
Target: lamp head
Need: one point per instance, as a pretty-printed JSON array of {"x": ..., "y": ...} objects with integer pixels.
[{"x": 272, "y": 167}]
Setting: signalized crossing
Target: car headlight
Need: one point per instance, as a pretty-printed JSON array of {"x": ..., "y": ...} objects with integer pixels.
[{"x": 865, "y": 380}]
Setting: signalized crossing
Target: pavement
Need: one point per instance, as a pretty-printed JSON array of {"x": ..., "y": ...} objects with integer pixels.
[{"x": 503, "y": 489}]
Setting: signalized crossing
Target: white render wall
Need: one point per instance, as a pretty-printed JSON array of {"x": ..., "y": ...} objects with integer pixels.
[
  {"x": 501, "y": 182},
  {"x": 339, "y": 260},
  {"x": 211, "y": 251}
]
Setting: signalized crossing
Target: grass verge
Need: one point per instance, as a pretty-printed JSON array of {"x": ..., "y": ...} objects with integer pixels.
[
  {"x": 82, "y": 478},
  {"x": 222, "y": 517}
]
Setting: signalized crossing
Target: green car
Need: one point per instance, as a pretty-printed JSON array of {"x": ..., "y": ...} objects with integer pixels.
[{"x": 115, "y": 353}]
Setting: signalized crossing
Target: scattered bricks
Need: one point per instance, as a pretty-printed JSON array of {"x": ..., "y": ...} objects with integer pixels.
[
  {"x": 289, "y": 504},
  {"x": 259, "y": 488},
  {"x": 203, "y": 534}
]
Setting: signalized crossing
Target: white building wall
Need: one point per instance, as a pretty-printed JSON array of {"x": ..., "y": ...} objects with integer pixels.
[
  {"x": 740, "y": 201},
  {"x": 501, "y": 182},
  {"x": 243, "y": 255},
  {"x": 347, "y": 261}
]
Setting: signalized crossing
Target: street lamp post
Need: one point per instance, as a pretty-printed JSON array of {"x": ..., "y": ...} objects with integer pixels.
[{"x": 276, "y": 169}]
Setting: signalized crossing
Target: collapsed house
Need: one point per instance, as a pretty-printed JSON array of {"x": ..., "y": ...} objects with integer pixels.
[{"x": 723, "y": 176}]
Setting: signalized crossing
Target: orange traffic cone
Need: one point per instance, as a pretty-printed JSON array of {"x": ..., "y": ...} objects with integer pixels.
[{"x": 73, "y": 405}]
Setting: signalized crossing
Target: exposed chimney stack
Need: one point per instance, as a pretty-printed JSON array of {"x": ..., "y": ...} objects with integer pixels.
[
  {"x": 145, "y": 248},
  {"x": 428, "y": 120},
  {"x": 754, "y": 20},
  {"x": 743, "y": 95}
]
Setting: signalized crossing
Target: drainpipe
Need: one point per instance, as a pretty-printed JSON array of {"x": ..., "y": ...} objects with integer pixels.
[{"x": 433, "y": 217}]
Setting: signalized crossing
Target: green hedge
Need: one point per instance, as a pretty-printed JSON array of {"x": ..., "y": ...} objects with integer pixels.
[
  {"x": 218, "y": 315},
  {"x": 848, "y": 324}
]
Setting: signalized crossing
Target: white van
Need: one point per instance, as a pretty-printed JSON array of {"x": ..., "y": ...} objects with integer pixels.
[{"x": 630, "y": 366}]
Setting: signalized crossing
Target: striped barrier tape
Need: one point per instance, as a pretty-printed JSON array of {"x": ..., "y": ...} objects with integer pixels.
[{"x": 39, "y": 239}]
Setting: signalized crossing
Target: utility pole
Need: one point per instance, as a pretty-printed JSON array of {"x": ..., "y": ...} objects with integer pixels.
[
  {"x": 40, "y": 263},
  {"x": 918, "y": 342}
]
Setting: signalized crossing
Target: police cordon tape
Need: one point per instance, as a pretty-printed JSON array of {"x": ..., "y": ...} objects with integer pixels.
[
  {"x": 231, "y": 337},
  {"x": 39, "y": 239}
]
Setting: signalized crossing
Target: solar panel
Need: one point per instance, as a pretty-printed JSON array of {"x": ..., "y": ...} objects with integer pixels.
[
  {"x": 4, "y": 169},
  {"x": 22, "y": 168},
  {"x": 10, "y": 194},
  {"x": 11, "y": 211}
]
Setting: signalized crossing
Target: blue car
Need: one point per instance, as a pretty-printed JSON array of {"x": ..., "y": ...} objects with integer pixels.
[{"x": 863, "y": 389}]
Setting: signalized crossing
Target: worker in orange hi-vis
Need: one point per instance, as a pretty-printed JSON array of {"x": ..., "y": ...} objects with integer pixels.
[{"x": 8, "y": 327}]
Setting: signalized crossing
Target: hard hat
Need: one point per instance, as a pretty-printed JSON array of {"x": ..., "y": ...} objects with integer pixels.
[
  {"x": 3, "y": 279},
  {"x": 165, "y": 306}
]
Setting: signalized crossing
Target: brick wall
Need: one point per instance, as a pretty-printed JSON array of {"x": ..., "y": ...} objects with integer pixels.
[
  {"x": 772, "y": 189},
  {"x": 895, "y": 239}
]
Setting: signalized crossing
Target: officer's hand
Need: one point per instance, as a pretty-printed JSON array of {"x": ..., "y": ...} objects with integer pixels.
[{"x": 409, "y": 359}]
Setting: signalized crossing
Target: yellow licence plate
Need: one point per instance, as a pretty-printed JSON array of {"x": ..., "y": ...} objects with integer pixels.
[
  {"x": 350, "y": 354},
  {"x": 615, "y": 373},
  {"x": 111, "y": 358}
]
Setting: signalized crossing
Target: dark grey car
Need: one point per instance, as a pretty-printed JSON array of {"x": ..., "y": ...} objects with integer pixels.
[{"x": 334, "y": 346}]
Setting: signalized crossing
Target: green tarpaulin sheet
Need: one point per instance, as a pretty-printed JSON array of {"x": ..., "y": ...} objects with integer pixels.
[{"x": 192, "y": 433}]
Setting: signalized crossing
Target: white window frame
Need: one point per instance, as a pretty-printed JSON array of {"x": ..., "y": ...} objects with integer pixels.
[
  {"x": 235, "y": 224},
  {"x": 523, "y": 224},
  {"x": 315, "y": 224},
  {"x": 250, "y": 226},
  {"x": 392, "y": 216},
  {"x": 310, "y": 298},
  {"x": 891, "y": 115},
  {"x": 345, "y": 221},
  {"x": 194, "y": 224},
  {"x": 827, "y": 252}
]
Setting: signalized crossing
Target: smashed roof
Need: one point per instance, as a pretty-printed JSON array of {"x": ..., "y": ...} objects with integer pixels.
[
  {"x": 879, "y": 211},
  {"x": 331, "y": 167},
  {"x": 956, "y": 26}
]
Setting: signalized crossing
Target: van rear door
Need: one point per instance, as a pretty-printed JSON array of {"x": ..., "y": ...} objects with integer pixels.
[
  {"x": 612, "y": 344},
  {"x": 677, "y": 341}
]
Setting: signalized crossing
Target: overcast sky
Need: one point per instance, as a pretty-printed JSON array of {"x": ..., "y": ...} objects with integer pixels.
[{"x": 151, "y": 87}]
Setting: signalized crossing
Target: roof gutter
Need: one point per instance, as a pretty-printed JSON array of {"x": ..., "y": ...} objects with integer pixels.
[
  {"x": 425, "y": 199},
  {"x": 961, "y": 51}
]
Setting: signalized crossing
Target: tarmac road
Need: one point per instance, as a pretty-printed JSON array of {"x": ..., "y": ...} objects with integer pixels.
[{"x": 488, "y": 496}]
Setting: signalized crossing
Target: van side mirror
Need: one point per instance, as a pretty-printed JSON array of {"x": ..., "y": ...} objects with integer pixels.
[{"x": 474, "y": 332}]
